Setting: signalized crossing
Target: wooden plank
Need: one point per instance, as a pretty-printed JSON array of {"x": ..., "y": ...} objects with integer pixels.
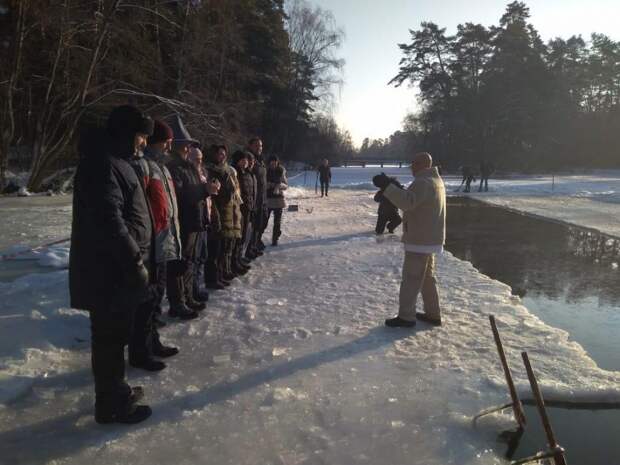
[
  {"x": 555, "y": 449},
  {"x": 517, "y": 406}
]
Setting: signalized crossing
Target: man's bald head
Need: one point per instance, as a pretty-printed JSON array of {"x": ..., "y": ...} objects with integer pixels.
[{"x": 421, "y": 161}]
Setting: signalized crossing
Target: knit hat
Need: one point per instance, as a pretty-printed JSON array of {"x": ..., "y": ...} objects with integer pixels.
[
  {"x": 128, "y": 120},
  {"x": 161, "y": 132},
  {"x": 274, "y": 158},
  {"x": 180, "y": 133}
]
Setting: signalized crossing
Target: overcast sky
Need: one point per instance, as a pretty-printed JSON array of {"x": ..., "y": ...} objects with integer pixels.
[{"x": 368, "y": 107}]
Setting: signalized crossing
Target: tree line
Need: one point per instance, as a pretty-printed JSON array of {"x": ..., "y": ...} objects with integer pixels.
[
  {"x": 501, "y": 94},
  {"x": 232, "y": 69}
]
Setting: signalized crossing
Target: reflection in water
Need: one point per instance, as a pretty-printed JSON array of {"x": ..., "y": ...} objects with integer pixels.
[
  {"x": 534, "y": 255},
  {"x": 569, "y": 278}
]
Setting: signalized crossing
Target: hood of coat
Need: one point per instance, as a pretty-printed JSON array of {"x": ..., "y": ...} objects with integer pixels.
[{"x": 428, "y": 173}]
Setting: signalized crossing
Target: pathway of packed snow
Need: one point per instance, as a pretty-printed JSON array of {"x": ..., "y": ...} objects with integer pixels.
[{"x": 293, "y": 364}]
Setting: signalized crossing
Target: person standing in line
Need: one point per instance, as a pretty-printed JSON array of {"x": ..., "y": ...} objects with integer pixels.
[
  {"x": 255, "y": 146},
  {"x": 251, "y": 254},
  {"x": 237, "y": 267},
  {"x": 276, "y": 185},
  {"x": 150, "y": 167},
  {"x": 202, "y": 248},
  {"x": 228, "y": 207},
  {"x": 111, "y": 255},
  {"x": 191, "y": 195},
  {"x": 325, "y": 176},
  {"x": 247, "y": 188},
  {"x": 424, "y": 234}
]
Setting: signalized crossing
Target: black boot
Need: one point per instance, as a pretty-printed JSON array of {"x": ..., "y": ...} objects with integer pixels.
[
  {"x": 399, "y": 322},
  {"x": 182, "y": 311},
  {"x": 165, "y": 351},
  {"x": 200, "y": 295},
  {"x": 195, "y": 305},
  {"x": 148, "y": 364},
  {"x": 127, "y": 414},
  {"x": 215, "y": 285}
]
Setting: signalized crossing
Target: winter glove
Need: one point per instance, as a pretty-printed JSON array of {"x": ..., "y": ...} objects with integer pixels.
[
  {"x": 381, "y": 181},
  {"x": 138, "y": 278}
]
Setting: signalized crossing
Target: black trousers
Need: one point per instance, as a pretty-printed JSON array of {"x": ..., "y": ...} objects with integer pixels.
[
  {"x": 200, "y": 259},
  {"x": 214, "y": 255},
  {"x": 144, "y": 336},
  {"x": 180, "y": 277},
  {"x": 110, "y": 328},
  {"x": 324, "y": 187},
  {"x": 391, "y": 221},
  {"x": 277, "y": 222},
  {"x": 261, "y": 216}
]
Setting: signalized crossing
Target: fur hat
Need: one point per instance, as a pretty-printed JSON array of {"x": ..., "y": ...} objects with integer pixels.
[{"x": 127, "y": 120}]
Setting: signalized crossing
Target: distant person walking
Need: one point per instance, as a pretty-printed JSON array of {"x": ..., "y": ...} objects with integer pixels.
[
  {"x": 325, "y": 177},
  {"x": 469, "y": 176},
  {"x": 424, "y": 233},
  {"x": 486, "y": 170}
]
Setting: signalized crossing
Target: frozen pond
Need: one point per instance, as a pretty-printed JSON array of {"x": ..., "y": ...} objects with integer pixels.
[{"x": 569, "y": 278}]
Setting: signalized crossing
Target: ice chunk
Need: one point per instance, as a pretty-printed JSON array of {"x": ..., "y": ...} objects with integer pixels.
[
  {"x": 278, "y": 351},
  {"x": 221, "y": 359}
]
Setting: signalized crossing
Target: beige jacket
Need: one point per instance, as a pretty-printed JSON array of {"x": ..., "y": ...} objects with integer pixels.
[{"x": 424, "y": 208}]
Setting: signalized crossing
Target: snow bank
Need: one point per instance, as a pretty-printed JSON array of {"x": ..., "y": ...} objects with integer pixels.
[
  {"x": 54, "y": 256},
  {"x": 293, "y": 365}
]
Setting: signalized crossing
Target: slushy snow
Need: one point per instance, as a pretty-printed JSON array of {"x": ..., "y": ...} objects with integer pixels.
[{"x": 293, "y": 364}]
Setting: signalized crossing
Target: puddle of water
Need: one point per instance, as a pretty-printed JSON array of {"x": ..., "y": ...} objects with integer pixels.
[{"x": 569, "y": 278}]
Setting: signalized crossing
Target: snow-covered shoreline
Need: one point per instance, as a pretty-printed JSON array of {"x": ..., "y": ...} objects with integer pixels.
[{"x": 293, "y": 365}]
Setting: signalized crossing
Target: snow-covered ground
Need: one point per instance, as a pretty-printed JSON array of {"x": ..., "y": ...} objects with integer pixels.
[{"x": 293, "y": 364}]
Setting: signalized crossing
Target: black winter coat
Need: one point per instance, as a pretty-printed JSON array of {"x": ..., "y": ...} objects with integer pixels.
[
  {"x": 260, "y": 172},
  {"x": 247, "y": 185},
  {"x": 387, "y": 208},
  {"x": 111, "y": 232},
  {"x": 325, "y": 173},
  {"x": 191, "y": 195}
]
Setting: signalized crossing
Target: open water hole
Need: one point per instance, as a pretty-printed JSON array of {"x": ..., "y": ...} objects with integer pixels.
[{"x": 568, "y": 277}]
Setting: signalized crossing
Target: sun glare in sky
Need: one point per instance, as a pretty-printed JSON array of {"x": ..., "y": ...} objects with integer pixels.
[{"x": 368, "y": 107}]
